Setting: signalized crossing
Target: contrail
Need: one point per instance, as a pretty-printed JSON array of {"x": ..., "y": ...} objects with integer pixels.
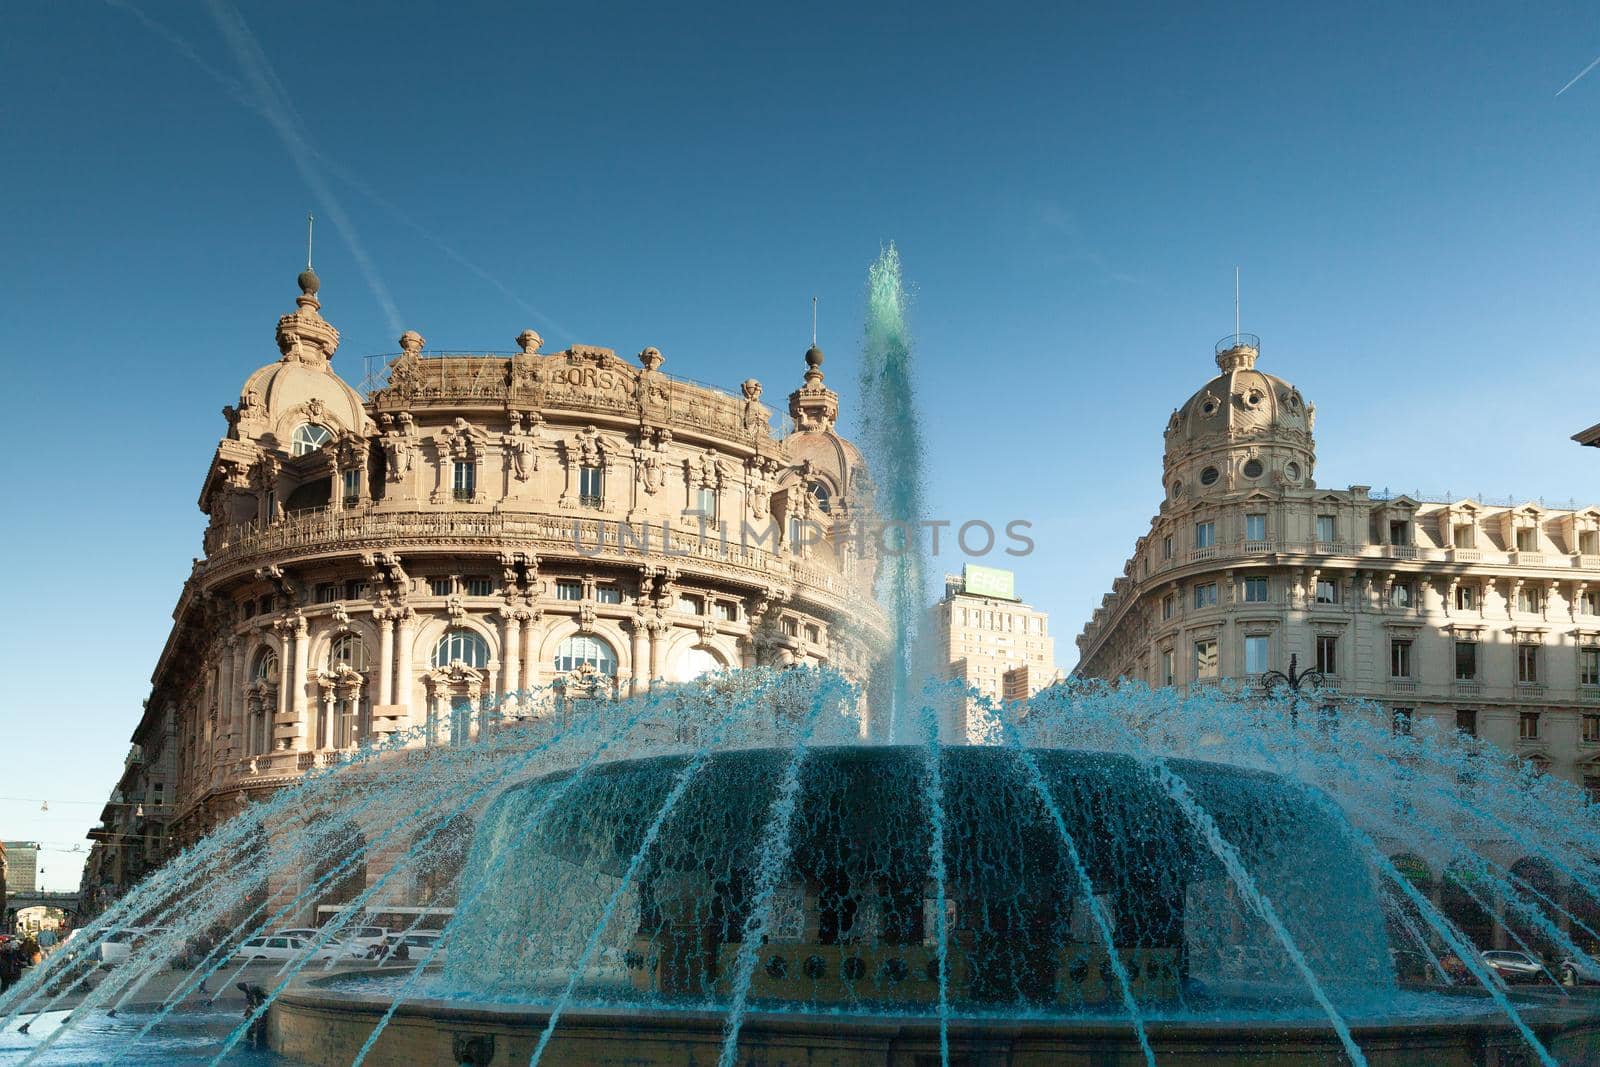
[
  {"x": 243, "y": 96},
  {"x": 280, "y": 115},
  {"x": 1581, "y": 73}
]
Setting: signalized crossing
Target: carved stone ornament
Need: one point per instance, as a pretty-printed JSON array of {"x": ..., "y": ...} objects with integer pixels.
[{"x": 651, "y": 358}]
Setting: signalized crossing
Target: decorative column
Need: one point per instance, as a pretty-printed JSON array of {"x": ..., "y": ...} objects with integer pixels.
[
  {"x": 638, "y": 682},
  {"x": 530, "y": 663},
  {"x": 223, "y": 750},
  {"x": 404, "y": 632},
  {"x": 302, "y": 646},
  {"x": 385, "y": 617},
  {"x": 511, "y": 652},
  {"x": 281, "y": 715},
  {"x": 658, "y": 634}
]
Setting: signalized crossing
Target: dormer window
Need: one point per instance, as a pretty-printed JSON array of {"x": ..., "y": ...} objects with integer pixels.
[{"x": 307, "y": 438}]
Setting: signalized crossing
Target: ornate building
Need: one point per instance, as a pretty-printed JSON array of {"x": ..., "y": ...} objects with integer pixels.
[
  {"x": 1482, "y": 618},
  {"x": 480, "y": 529}
]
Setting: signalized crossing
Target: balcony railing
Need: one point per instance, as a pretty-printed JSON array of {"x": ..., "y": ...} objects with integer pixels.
[{"x": 331, "y": 530}]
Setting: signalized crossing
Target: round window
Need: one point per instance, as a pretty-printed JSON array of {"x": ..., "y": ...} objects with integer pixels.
[
  {"x": 1292, "y": 472},
  {"x": 1252, "y": 468},
  {"x": 1177, "y": 489},
  {"x": 1209, "y": 407},
  {"x": 1209, "y": 476}
]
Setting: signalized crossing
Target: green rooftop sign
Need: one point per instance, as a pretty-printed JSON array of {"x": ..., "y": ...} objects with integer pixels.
[{"x": 988, "y": 581}]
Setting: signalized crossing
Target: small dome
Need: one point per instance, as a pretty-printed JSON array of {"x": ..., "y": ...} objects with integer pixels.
[
  {"x": 1244, "y": 421},
  {"x": 309, "y": 282},
  {"x": 813, "y": 356},
  {"x": 1237, "y": 405}
]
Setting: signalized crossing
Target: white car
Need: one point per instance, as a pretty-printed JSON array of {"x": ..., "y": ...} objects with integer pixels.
[
  {"x": 119, "y": 943},
  {"x": 358, "y": 939},
  {"x": 281, "y": 947},
  {"x": 310, "y": 933}
]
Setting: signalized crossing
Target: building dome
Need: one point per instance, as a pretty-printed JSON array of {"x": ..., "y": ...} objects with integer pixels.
[{"x": 1244, "y": 427}]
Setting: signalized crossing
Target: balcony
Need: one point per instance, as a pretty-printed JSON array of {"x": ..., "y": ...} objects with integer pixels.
[
  {"x": 242, "y": 547},
  {"x": 1466, "y": 687},
  {"x": 1402, "y": 685}
]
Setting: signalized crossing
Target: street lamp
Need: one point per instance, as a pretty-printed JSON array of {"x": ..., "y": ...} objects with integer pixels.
[
  {"x": 1294, "y": 680},
  {"x": 1271, "y": 680}
]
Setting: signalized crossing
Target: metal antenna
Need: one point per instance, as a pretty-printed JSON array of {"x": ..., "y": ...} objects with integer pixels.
[
  {"x": 309, "y": 220},
  {"x": 813, "y": 322},
  {"x": 1236, "y": 302}
]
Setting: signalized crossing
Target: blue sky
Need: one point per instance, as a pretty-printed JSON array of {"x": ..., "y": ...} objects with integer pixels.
[{"x": 1413, "y": 210}]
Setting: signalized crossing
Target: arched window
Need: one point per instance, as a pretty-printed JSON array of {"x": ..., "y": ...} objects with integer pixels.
[
  {"x": 823, "y": 498},
  {"x": 580, "y": 650},
  {"x": 266, "y": 668},
  {"x": 461, "y": 646},
  {"x": 697, "y": 661},
  {"x": 308, "y": 437},
  {"x": 349, "y": 650}
]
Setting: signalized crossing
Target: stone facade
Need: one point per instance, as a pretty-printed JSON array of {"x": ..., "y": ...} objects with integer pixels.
[
  {"x": 1479, "y": 617},
  {"x": 481, "y": 529}
]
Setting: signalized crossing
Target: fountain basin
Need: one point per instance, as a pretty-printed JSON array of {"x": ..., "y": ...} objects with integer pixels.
[{"x": 325, "y": 1022}]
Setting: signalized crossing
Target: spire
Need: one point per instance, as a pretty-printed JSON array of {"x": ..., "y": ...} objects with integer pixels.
[
  {"x": 304, "y": 335},
  {"x": 814, "y": 406}
]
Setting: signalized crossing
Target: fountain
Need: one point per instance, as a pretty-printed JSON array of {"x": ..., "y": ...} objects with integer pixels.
[{"x": 739, "y": 870}]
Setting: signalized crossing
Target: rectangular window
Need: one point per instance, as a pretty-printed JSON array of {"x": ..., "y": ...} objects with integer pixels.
[
  {"x": 690, "y": 605},
  {"x": 727, "y": 611},
  {"x": 706, "y": 502},
  {"x": 608, "y": 594},
  {"x": 355, "y": 589},
  {"x": 1255, "y": 654},
  {"x": 791, "y": 628},
  {"x": 1467, "y": 723},
  {"x": 1325, "y": 529},
  {"x": 1528, "y": 599},
  {"x": 591, "y": 486},
  {"x": 1466, "y": 597},
  {"x": 249, "y": 609},
  {"x": 441, "y": 586},
  {"x": 1588, "y": 543},
  {"x": 1591, "y": 601},
  {"x": 1591, "y": 729},
  {"x": 1167, "y": 677},
  {"x": 1327, "y": 591},
  {"x": 1255, "y": 590},
  {"x": 1589, "y": 665},
  {"x": 480, "y": 586},
  {"x": 1527, "y": 539},
  {"x": 1166, "y": 547},
  {"x": 1402, "y": 594},
  {"x": 325, "y": 592},
  {"x": 1205, "y": 596},
  {"x": 568, "y": 590},
  {"x": 1464, "y": 535},
  {"x": 1402, "y": 721},
  {"x": 1205, "y": 534},
  {"x": 1528, "y": 664},
  {"x": 813, "y": 634},
  {"x": 1466, "y": 660},
  {"x": 272, "y": 504},
  {"x": 1255, "y": 527},
  {"x": 266, "y": 604},
  {"x": 352, "y": 485},
  {"x": 1528, "y": 726},
  {"x": 1399, "y": 659},
  {"x": 466, "y": 479},
  {"x": 1328, "y": 654},
  {"x": 1399, "y": 532},
  {"x": 1169, "y": 606},
  {"x": 1205, "y": 659}
]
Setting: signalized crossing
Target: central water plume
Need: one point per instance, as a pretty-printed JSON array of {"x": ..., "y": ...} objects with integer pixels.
[{"x": 892, "y": 436}]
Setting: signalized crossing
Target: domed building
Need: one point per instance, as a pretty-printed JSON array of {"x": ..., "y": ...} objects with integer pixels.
[
  {"x": 481, "y": 529},
  {"x": 1481, "y": 616}
]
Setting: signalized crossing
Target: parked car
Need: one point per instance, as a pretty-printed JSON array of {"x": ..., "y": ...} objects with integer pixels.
[
  {"x": 1576, "y": 972},
  {"x": 358, "y": 939},
  {"x": 119, "y": 943},
  {"x": 1513, "y": 967},
  {"x": 280, "y": 947},
  {"x": 310, "y": 933},
  {"x": 410, "y": 946}
]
